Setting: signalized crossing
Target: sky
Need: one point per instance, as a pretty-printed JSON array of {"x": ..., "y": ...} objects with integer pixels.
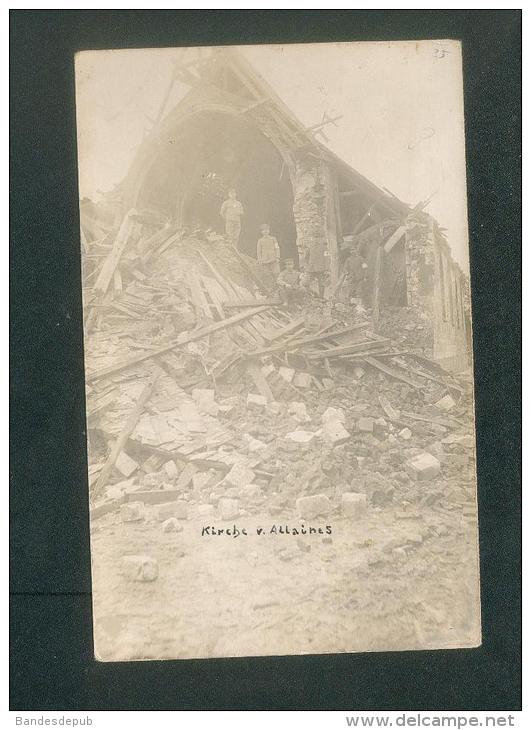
[{"x": 400, "y": 103}]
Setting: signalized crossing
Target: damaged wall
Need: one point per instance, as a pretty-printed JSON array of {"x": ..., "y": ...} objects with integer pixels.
[{"x": 436, "y": 285}]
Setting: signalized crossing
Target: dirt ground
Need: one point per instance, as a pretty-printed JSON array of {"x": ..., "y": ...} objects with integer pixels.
[{"x": 396, "y": 579}]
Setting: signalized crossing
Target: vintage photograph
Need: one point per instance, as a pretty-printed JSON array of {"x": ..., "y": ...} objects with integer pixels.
[{"x": 278, "y": 350}]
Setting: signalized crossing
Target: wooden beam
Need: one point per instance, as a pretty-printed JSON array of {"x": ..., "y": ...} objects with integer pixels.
[
  {"x": 113, "y": 259},
  {"x": 197, "y": 335},
  {"x": 377, "y": 286},
  {"x": 395, "y": 238},
  {"x": 393, "y": 373},
  {"x": 126, "y": 431},
  {"x": 360, "y": 223},
  {"x": 259, "y": 380}
]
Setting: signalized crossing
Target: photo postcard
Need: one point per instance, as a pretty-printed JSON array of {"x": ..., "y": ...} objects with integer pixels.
[{"x": 278, "y": 350}]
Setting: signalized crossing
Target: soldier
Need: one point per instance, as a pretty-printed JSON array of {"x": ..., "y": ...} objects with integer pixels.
[
  {"x": 288, "y": 284},
  {"x": 232, "y": 212},
  {"x": 268, "y": 254}
]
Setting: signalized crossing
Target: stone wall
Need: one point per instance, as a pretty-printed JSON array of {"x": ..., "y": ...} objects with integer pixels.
[
  {"x": 436, "y": 285},
  {"x": 314, "y": 202}
]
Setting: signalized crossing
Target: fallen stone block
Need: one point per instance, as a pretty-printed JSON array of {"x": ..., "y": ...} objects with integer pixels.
[
  {"x": 125, "y": 465},
  {"x": 299, "y": 412},
  {"x": 436, "y": 449},
  {"x": 423, "y": 467},
  {"x": 155, "y": 479},
  {"x": 335, "y": 433},
  {"x": 359, "y": 372},
  {"x": 256, "y": 401},
  {"x": 171, "y": 469},
  {"x": 240, "y": 475},
  {"x": 286, "y": 373},
  {"x": 446, "y": 403},
  {"x": 274, "y": 407},
  {"x": 251, "y": 492},
  {"x": 313, "y": 506},
  {"x": 366, "y": 424},
  {"x": 354, "y": 504},
  {"x": 178, "y": 509},
  {"x": 254, "y": 444},
  {"x": 300, "y": 437},
  {"x": 405, "y": 434},
  {"x": 201, "y": 479},
  {"x": 466, "y": 440},
  {"x": 267, "y": 369},
  {"x": 205, "y": 510},
  {"x": 140, "y": 568},
  {"x": 172, "y": 525},
  {"x": 302, "y": 380},
  {"x": 132, "y": 512},
  {"x": 228, "y": 508},
  {"x": 333, "y": 414},
  {"x": 205, "y": 400}
]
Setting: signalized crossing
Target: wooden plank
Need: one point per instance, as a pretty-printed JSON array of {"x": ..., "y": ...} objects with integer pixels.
[
  {"x": 395, "y": 238},
  {"x": 192, "y": 337},
  {"x": 377, "y": 285},
  {"x": 388, "y": 409},
  {"x": 449, "y": 423},
  {"x": 231, "y": 304},
  {"x": 283, "y": 331},
  {"x": 393, "y": 372},
  {"x": 297, "y": 344},
  {"x": 154, "y": 496},
  {"x": 345, "y": 350},
  {"x": 113, "y": 259},
  {"x": 260, "y": 381},
  {"x": 126, "y": 431},
  {"x": 118, "y": 286}
]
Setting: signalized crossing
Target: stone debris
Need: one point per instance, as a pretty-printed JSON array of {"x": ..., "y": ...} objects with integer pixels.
[
  {"x": 254, "y": 400},
  {"x": 171, "y": 470},
  {"x": 423, "y": 466},
  {"x": 317, "y": 505},
  {"x": 172, "y": 525},
  {"x": 228, "y": 508},
  {"x": 354, "y": 504},
  {"x": 140, "y": 568},
  {"x": 334, "y": 415},
  {"x": 366, "y": 424},
  {"x": 300, "y": 437},
  {"x": 125, "y": 465},
  {"x": 446, "y": 403},
  {"x": 240, "y": 476},
  {"x": 260, "y": 407},
  {"x": 335, "y": 433},
  {"x": 286, "y": 373},
  {"x": 302, "y": 380},
  {"x": 299, "y": 412},
  {"x": 205, "y": 401},
  {"x": 178, "y": 509},
  {"x": 132, "y": 512}
]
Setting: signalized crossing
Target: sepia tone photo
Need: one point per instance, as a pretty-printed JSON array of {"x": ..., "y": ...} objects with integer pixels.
[{"x": 278, "y": 350}]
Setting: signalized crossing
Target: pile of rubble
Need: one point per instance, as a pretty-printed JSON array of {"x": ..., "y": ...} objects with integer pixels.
[{"x": 206, "y": 399}]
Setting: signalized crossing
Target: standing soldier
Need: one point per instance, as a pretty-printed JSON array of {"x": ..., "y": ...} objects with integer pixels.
[
  {"x": 231, "y": 212},
  {"x": 268, "y": 255},
  {"x": 355, "y": 268}
]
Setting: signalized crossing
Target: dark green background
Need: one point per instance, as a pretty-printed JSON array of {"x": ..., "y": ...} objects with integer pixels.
[{"x": 51, "y": 659}]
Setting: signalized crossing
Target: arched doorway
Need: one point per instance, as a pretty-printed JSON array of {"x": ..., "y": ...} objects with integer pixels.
[{"x": 210, "y": 153}]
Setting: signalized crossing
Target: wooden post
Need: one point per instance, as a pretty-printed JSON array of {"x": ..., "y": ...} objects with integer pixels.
[
  {"x": 377, "y": 287},
  {"x": 113, "y": 259},
  {"x": 126, "y": 431}
]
